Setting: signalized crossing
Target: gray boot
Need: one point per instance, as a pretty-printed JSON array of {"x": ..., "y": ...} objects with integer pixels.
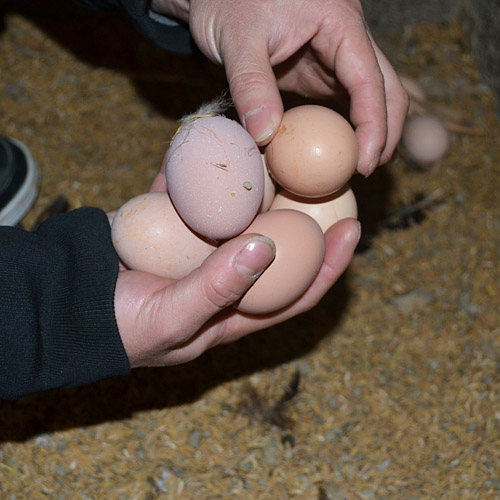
[{"x": 19, "y": 178}]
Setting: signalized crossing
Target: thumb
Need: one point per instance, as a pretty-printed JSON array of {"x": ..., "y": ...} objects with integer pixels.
[
  {"x": 221, "y": 280},
  {"x": 159, "y": 320},
  {"x": 254, "y": 89}
]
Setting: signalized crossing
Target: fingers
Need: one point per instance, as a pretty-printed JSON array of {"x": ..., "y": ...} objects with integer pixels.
[
  {"x": 357, "y": 69},
  {"x": 378, "y": 102},
  {"x": 396, "y": 104},
  {"x": 335, "y": 33},
  {"x": 159, "y": 184},
  {"x": 222, "y": 279},
  {"x": 253, "y": 88}
]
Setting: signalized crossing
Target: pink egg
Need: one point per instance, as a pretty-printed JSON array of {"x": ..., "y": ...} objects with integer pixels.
[
  {"x": 215, "y": 176},
  {"x": 149, "y": 236},
  {"x": 326, "y": 211},
  {"x": 300, "y": 250}
]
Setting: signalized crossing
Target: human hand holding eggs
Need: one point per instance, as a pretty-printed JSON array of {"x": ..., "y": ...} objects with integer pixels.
[
  {"x": 166, "y": 322},
  {"x": 215, "y": 178}
]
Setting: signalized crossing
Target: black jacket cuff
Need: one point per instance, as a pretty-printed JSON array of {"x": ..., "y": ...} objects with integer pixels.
[
  {"x": 172, "y": 36},
  {"x": 57, "y": 320}
]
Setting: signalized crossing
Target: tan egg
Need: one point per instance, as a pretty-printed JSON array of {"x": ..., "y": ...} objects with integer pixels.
[
  {"x": 325, "y": 211},
  {"x": 425, "y": 138},
  {"x": 314, "y": 152},
  {"x": 269, "y": 188},
  {"x": 300, "y": 250},
  {"x": 149, "y": 236}
]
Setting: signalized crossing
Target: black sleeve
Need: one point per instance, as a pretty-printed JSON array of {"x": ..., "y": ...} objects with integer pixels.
[
  {"x": 170, "y": 35},
  {"x": 57, "y": 321}
]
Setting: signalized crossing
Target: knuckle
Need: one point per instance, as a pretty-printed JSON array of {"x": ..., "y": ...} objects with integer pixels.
[
  {"x": 243, "y": 81},
  {"x": 220, "y": 294},
  {"x": 216, "y": 335}
]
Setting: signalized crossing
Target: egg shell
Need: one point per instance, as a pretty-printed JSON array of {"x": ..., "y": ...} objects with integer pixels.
[
  {"x": 300, "y": 250},
  {"x": 425, "y": 138},
  {"x": 314, "y": 152},
  {"x": 215, "y": 177},
  {"x": 149, "y": 236},
  {"x": 326, "y": 211}
]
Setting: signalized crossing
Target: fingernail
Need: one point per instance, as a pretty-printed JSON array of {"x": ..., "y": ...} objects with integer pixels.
[
  {"x": 373, "y": 164},
  {"x": 258, "y": 253},
  {"x": 259, "y": 124},
  {"x": 359, "y": 233}
]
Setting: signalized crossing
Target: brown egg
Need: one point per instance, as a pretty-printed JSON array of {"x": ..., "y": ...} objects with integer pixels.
[
  {"x": 425, "y": 138},
  {"x": 149, "y": 235},
  {"x": 314, "y": 153},
  {"x": 325, "y": 211},
  {"x": 300, "y": 249}
]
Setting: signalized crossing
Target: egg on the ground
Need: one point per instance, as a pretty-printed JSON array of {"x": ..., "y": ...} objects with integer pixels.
[{"x": 425, "y": 138}]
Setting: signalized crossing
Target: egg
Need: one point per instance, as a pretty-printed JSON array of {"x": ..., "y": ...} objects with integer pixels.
[
  {"x": 214, "y": 176},
  {"x": 314, "y": 152},
  {"x": 269, "y": 188},
  {"x": 149, "y": 235},
  {"x": 300, "y": 250},
  {"x": 425, "y": 138},
  {"x": 326, "y": 211}
]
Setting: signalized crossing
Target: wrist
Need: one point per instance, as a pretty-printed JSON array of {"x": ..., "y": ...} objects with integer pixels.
[{"x": 178, "y": 9}]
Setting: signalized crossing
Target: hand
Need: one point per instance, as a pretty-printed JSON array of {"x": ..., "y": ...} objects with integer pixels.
[
  {"x": 316, "y": 48},
  {"x": 166, "y": 322}
]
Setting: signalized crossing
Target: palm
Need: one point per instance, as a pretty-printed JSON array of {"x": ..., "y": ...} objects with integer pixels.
[{"x": 305, "y": 74}]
